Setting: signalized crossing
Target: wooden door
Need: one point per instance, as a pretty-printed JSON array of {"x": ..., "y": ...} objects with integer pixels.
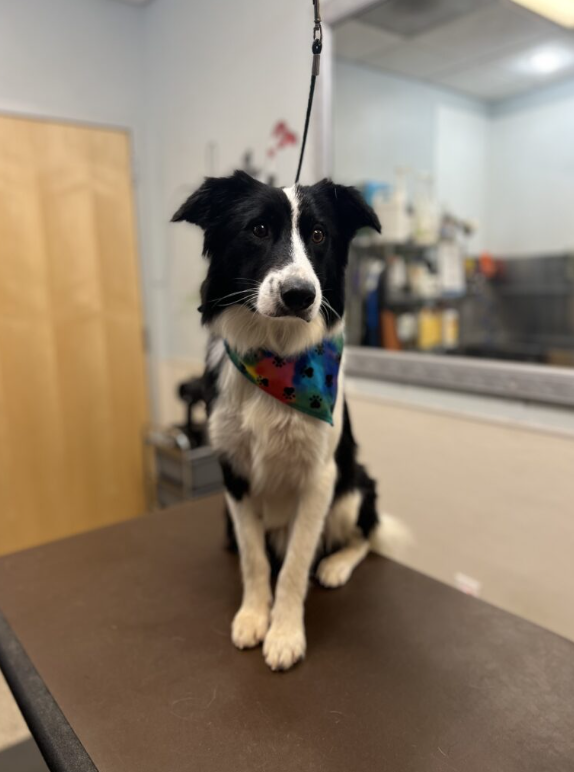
[{"x": 72, "y": 388}]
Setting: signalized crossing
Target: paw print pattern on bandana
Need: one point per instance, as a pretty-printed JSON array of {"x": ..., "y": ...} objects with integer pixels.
[
  {"x": 306, "y": 371},
  {"x": 306, "y": 382}
]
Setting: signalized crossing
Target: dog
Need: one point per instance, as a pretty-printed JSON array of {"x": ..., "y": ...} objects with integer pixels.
[{"x": 273, "y": 302}]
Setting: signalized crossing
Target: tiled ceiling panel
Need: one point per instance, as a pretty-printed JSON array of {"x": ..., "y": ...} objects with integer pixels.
[
  {"x": 413, "y": 17},
  {"x": 357, "y": 41},
  {"x": 482, "y": 35},
  {"x": 483, "y": 48},
  {"x": 410, "y": 58}
]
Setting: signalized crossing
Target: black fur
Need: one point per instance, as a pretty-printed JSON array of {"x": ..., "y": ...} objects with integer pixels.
[
  {"x": 237, "y": 486},
  {"x": 351, "y": 475},
  {"x": 227, "y": 208},
  {"x": 210, "y": 387},
  {"x": 343, "y": 212}
]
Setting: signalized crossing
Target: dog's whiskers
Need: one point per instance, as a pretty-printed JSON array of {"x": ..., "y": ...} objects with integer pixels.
[
  {"x": 217, "y": 301},
  {"x": 325, "y": 304},
  {"x": 244, "y": 301}
]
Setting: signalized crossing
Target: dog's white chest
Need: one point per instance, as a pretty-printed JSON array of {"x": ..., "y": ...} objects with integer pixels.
[{"x": 276, "y": 447}]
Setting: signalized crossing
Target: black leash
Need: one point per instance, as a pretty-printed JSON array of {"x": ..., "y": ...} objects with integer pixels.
[{"x": 317, "y": 47}]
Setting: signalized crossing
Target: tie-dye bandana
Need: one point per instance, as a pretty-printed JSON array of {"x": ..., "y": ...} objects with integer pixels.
[{"x": 307, "y": 382}]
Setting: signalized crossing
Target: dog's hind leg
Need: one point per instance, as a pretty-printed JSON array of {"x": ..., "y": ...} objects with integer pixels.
[
  {"x": 351, "y": 523},
  {"x": 335, "y": 570}
]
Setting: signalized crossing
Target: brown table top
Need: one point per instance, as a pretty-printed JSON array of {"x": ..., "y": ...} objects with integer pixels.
[{"x": 128, "y": 628}]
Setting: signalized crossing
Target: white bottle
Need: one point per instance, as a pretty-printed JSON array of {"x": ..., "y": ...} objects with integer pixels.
[
  {"x": 393, "y": 212},
  {"x": 427, "y": 220}
]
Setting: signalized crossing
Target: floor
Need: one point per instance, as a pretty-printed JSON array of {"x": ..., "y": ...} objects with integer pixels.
[
  {"x": 18, "y": 752},
  {"x": 24, "y": 757}
]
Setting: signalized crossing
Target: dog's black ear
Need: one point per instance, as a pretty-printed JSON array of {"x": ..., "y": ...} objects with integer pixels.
[
  {"x": 197, "y": 207},
  {"x": 212, "y": 199},
  {"x": 353, "y": 212}
]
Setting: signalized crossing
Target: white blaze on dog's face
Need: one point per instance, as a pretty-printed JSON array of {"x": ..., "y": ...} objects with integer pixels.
[
  {"x": 275, "y": 253},
  {"x": 293, "y": 289}
]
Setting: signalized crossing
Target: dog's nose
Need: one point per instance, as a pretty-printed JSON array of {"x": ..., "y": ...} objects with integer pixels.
[{"x": 297, "y": 294}]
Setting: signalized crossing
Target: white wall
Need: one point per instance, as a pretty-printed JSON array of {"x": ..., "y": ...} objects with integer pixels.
[
  {"x": 461, "y": 153},
  {"x": 510, "y": 168},
  {"x": 382, "y": 121},
  {"x": 74, "y": 59},
  {"x": 531, "y": 174},
  {"x": 221, "y": 72}
]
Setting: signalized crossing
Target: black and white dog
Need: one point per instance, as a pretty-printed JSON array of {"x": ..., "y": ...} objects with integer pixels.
[{"x": 294, "y": 488}]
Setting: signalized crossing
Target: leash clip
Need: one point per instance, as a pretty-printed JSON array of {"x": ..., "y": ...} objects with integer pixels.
[{"x": 317, "y": 46}]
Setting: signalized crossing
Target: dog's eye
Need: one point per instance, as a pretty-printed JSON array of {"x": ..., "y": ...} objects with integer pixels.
[
  {"x": 318, "y": 235},
  {"x": 261, "y": 230}
]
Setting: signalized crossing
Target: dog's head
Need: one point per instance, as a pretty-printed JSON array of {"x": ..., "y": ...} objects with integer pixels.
[{"x": 280, "y": 253}]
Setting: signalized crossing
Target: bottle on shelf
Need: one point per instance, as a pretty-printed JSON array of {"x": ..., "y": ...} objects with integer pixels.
[
  {"x": 450, "y": 329},
  {"x": 426, "y": 213},
  {"x": 394, "y": 212}
]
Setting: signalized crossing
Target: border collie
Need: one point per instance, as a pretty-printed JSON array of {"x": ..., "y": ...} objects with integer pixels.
[{"x": 273, "y": 301}]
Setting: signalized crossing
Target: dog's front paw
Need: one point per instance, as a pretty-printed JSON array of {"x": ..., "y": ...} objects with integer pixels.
[
  {"x": 249, "y": 627},
  {"x": 333, "y": 571},
  {"x": 284, "y": 646}
]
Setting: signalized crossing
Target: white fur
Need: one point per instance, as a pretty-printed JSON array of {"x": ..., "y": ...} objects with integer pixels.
[
  {"x": 245, "y": 331},
  {"x": 252, "y": 620},
  {"x": 269, "y": 294},
  {"x": 288, "y": 459},
  {"x": 342, "y": 521},
  {"x": 215, "y": 354},
  {"x": 335, "y": 570},
  {"x": 278, "y": 449},
  {"x": 284, "y": 644},
  {"x": 341, "y": 528},
  {"x": 395, "y": 540}
]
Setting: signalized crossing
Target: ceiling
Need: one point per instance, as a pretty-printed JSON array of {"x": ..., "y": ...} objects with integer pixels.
[
  {"x": 136, "y": 2},
  {"x": 487, "y": 49}
]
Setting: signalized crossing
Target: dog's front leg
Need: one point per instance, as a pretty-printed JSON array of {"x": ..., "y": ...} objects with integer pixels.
[
  {"x": 285, "y": 642},
  {"x": 252, "y": 620}
]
